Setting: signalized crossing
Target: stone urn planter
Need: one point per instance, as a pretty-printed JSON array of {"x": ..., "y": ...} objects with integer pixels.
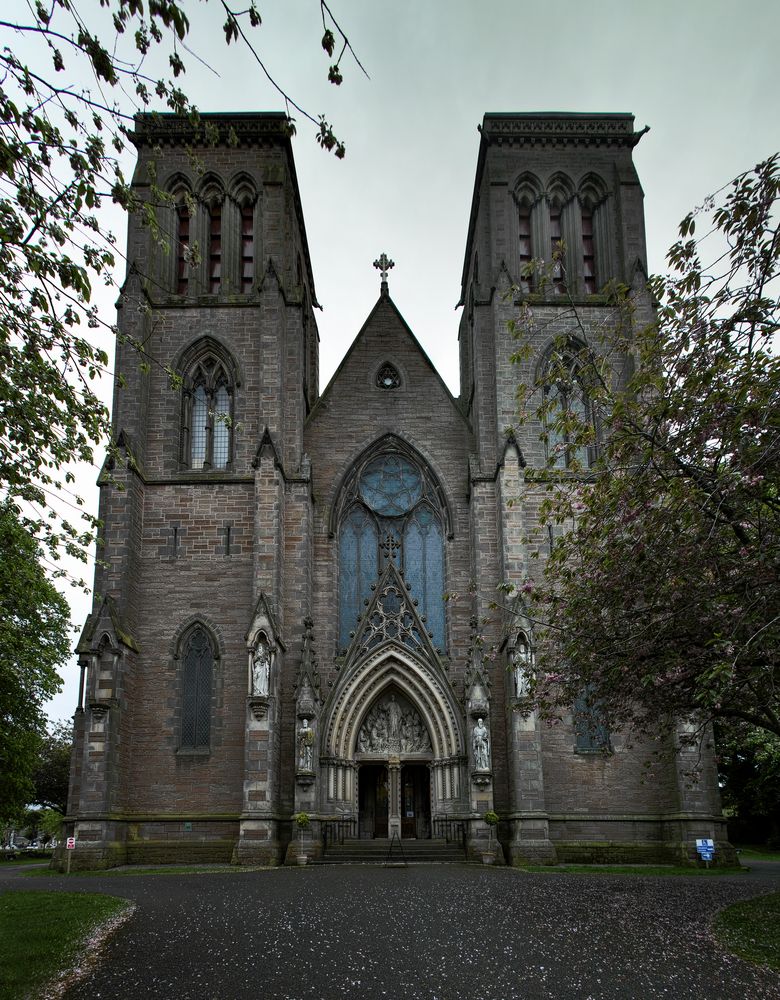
[
  {"x": 302, "y": 822},
  {"x": 489, "y": 854}
]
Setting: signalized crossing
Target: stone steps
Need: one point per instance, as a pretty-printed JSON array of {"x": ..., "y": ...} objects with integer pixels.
[{"x": 377, "y": 852}]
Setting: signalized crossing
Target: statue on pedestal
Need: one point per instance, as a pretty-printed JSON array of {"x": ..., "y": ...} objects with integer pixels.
[{"x": 480, "y": 744}]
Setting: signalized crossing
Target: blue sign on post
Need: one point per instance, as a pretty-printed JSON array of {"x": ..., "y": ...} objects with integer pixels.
[{"x": 706, "y": 849}]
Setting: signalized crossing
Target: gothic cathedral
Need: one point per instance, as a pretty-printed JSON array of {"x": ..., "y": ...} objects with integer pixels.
[{"x": 270, "y": 635}]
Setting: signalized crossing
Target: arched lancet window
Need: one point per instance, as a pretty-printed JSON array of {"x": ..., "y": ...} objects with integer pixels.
[
  {"x": 560, "y": 194},
  {"x": 590, "y": 733},
  {"x": 567, "y": 411},
  {"x": 358, "y": 565},
  {"x": 392, "y": 512},
  {"x": 527, "y": 194},
  {"x": 207, "y": 409},
  {"x": 424, "y": 566},
  {"x": 594, "y": 224},
  {"x": 197, "y": 656}
]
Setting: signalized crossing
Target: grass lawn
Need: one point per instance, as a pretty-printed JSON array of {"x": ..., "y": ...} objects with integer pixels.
[
  {"x": 159, "y": 870},
  {"x": 25, "y": 859},
  {"x": 759, "y": 853},
  {"x": 752, "y": 929},
  {"x": 42, "y": 933},
  {"x": 664, "y": 870}
]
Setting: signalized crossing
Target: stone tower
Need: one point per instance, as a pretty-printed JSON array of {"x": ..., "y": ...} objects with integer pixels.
[{"x": 269, "y": 634}]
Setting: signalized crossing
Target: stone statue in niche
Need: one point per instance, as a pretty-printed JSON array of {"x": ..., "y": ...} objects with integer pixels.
[
  {"x": 305, "y": 747},
  {"x": 480, "y": 744},
  {"x": 519, "y": 659},
  {"x": 391, "y": 727},
  {"x": 261, "y": 668}
]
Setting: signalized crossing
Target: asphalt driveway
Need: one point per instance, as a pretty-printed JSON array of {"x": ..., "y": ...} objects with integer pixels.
[{"x": 432, "y": 932}]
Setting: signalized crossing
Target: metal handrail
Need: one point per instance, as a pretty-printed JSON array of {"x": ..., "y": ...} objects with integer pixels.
[
  {"x": 450, "y": 830},
  {"x": 336, "y": 831}
]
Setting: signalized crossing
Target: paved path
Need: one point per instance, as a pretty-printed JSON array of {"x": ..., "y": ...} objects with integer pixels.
[{"x": 432, "y": 932}]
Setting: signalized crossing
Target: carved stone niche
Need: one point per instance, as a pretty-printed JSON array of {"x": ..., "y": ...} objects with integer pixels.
[
  {"x": 478, "y": 704},
  {"x": 258, "y": 705},
  {"x": 481, "y": 778}
]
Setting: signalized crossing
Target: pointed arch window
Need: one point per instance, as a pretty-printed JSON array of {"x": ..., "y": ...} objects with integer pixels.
[
  {"x": 215, "y": 247},
  {"x": 247, "y": 246},
  {"x": 567, "y": 412},
  {"x": 558, "y": 281},
  {"x": 197, "y": 656},
  {"x": 394, "y": 513},
  {"x": 588, "y": 252},
  {"x": 208, "y": 400},
  {"x": 590, "y": 733},
  {"x": 182, "y": 248}
]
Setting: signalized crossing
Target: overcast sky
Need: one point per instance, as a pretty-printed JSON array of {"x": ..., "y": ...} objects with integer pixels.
[{"x": 703, "y": 74}]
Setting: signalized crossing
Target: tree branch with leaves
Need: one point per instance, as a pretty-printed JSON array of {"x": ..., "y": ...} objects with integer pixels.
[{"x": 661, "y": 593}]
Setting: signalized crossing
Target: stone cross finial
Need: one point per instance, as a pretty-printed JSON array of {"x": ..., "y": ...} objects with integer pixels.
[{"x": 383, "y": 264}]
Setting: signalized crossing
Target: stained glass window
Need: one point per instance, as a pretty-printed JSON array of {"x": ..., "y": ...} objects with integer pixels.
[
  {"x": 424, "y": 568},
  {"x": 391, "y": 485},
  {"x": 198, "y": 661},
  {"x": 358, "y": 567},
  {"x": 398, "y": 520}
]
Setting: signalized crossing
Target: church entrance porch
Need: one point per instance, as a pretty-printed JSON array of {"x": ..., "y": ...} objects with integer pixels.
[
  {"x": 415, "y": 802},
  {"x": 373, "y": 801}
]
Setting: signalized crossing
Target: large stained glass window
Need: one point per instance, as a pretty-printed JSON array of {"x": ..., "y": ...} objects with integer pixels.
[{"x": 394, "y": 514}]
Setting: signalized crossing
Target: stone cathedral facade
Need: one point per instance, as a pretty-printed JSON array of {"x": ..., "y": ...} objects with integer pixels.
[{"x": 269, "y": 633}]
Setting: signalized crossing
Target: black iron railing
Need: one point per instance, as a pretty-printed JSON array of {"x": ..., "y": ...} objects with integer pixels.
[
  {"x": 451, "y": 830},
  {"x": 336, "y": 831}
]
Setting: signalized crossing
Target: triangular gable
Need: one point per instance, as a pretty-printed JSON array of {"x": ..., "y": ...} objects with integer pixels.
[
  {"x": 384, "y": 301},
  {"x": 105, "y": 620},
  {"x": 391, "y": 617},
  {"x": 263, "y": 620}
]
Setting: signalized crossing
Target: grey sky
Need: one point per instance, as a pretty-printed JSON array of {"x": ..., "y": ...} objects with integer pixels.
[{"x": 703, "y": 74}]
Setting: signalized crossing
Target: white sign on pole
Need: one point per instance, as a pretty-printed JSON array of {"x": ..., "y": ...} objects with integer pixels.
[{"x": 71, "y": 844}]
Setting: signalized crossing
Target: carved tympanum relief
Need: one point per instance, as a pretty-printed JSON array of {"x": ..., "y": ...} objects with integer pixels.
[{"x": 393, "y": 726}]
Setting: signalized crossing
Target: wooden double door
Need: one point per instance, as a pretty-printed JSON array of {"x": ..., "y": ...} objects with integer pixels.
[{"x": 375, "y": 807}]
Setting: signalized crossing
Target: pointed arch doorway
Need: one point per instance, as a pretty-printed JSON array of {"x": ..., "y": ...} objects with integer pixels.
[
  {"x": 392, "y": 732},
  {"x": 393, "y": 756}
]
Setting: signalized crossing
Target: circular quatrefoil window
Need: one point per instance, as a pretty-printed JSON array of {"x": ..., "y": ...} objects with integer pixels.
[{"x": 391, "y": 485}]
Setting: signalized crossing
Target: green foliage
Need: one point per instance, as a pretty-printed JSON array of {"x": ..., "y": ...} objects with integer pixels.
[
  {"x": 34, "y": 641},
  {"x": 749, "y": 769},
  {"x": 752, "y": 929},
  {"x": 491, "y": 818},
  {"x": 42, "y": 934},
  {"x": 661, "y": 594},
  {"x": 61, "y": 153},
  {"x": 302, "y": 820},
  {"x": 52, "y": 768}
]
